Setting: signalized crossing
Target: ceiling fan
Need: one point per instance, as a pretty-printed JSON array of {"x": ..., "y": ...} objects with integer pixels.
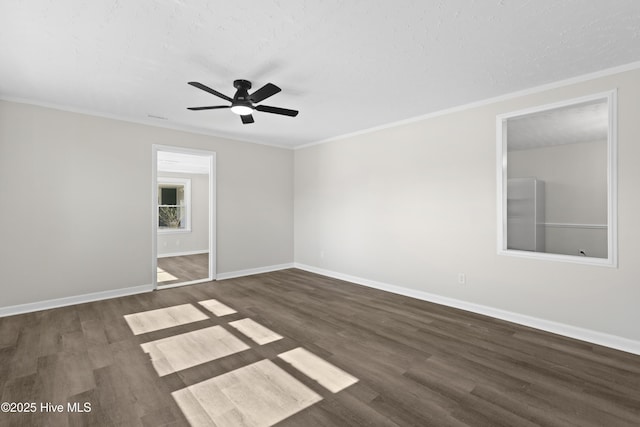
[{"x": 242, "y": 103}]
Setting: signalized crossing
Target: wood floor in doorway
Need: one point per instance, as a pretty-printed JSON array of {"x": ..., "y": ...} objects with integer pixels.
[
  {"x": 185, "y": 268},
  {"x": 316, "y": 352}
]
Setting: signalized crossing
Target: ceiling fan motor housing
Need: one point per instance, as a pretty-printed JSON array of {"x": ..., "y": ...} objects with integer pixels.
[
  {"x": 242, "y": 84},
  {"x": 242, "y": 95}
]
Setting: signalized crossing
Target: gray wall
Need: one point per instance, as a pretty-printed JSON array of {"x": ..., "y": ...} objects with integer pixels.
[
  {"x": 76, "y": 203},
  {"x": 414, "y": 205},
  {"x": 575, "y": 177},
  {"x": 196, "y": 240},
  {"x": 411, "y": 206}
]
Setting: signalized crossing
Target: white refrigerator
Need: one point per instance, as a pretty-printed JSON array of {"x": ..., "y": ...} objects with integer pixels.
[{"x": 525, "y": 214}]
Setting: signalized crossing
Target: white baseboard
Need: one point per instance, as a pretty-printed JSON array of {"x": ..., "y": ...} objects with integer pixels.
[
  {"x": 97, "y": 296},
  {"x": 181, "y": 284},
  {"x": 205, "y": 251},
  {"x": 251, "y": 271},
  {"x": 78, "y": 299},
  {"x": 594, "y": 337}
]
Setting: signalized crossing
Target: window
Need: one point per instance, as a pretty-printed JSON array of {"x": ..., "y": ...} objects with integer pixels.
[
  {"x": 174, "y": 204},
  {"x": 557, "y": 181}
]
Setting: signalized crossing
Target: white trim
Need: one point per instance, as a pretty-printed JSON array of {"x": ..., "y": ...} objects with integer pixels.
[
  {"x": 213, "y": 216},
  {"x": 594, "y": 337},
  {"x": 501, "y": 182},
  {"x": 154, "y": 207},
  {"x": 78, "y": 299},
  {"x": 608, "y": 95},
  {"x": 146, "y": 122},
  {"x": 612, "y": 168},
  {"x": 179, "y": 285},
  {"x": 154, "y": 216},
  {"x": 199, "y": 131},
  {"x": 530, "y": 91},
  {"x": 252, "y": 271},
  {"x": 174, "y": 231},
  {"x": 575, "y": 259},
  {"x": 612, "y": 179},
  {"x": 204, "y": 251},
  {"x": 570, "y": 225}
]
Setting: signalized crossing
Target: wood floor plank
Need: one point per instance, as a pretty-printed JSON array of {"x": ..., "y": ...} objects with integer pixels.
[
  {"x": 94, "y": 333},
  {"x": 416, "y": 363},
  {"x": 183, "y": 351},
  {"x": 185, "y": 268},
  {"x": 255, "y": 331},
  {"x": 216, "y": 307},
  {"x": 10, "y": 329},
  {"x": 329, "y": 376}
]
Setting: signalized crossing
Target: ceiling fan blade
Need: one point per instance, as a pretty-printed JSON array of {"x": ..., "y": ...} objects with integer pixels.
[
  {"x": 276, "y": 110},
  {"x": 212, "y": 91},
  {"x": 247, "y": 119},
  {"x": 208, "y": 108},
  {"x": 264, "y": 92}
]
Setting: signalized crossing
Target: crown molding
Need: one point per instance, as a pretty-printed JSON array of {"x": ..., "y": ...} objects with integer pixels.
[
  {"x": 151, "y": 121},
  {"x": 533, "y": 90}
]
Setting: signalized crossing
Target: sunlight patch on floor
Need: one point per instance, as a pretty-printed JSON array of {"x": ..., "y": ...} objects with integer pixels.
[
  {"x": 254, "y": 330},
  {"x": 258, "y": 395},
  {"x": 183, "y": 351},
  {"x": 217, "y": 308},
  {"x": 327, "y": 375},
  {"x": 162, "y": 318},
  {"x": 164, "y": 276}
]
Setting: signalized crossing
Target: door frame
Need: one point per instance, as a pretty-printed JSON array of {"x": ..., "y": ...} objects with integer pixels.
[{"x": 155, "y": 148}]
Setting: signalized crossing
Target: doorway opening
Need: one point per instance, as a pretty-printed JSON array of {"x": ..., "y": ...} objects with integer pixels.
[{"x": 183, "y": 216}]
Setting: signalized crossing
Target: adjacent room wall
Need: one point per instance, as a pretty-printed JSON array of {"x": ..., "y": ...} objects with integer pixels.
[
  {"x": 174, "y": 243},
  {"x": 76, "y": 203},
  {"x": 575, "y": 179},
  {"x": 415, "y": 205}
]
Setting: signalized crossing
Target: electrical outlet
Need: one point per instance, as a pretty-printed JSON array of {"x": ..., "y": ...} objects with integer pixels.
[
  {"x": 322, "y": 254},
  {"x": 462, "y": 278}
]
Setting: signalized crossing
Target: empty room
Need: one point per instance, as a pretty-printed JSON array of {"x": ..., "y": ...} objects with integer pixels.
[{"x": 319, "y": 213}]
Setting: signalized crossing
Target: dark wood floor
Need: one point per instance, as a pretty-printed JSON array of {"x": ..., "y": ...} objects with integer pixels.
[
  {"x": 184, "y": 268},
  {"x": 418, "y": 364}
]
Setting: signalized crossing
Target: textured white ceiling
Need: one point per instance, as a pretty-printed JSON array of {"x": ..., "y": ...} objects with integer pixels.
[
  {"x": 346, "y": 65},
  {"x": 585, "y": 122}
]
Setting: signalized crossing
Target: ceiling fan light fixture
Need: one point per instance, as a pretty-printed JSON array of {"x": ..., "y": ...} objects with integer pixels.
[
  {"x": 242, "y": 110},
  {"x": 242, "y": 102}
]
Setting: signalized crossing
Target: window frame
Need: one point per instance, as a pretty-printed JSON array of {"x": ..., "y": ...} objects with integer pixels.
[
  {"x": 612, "y": 195},
  {"x": 186, "y": 183}
]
